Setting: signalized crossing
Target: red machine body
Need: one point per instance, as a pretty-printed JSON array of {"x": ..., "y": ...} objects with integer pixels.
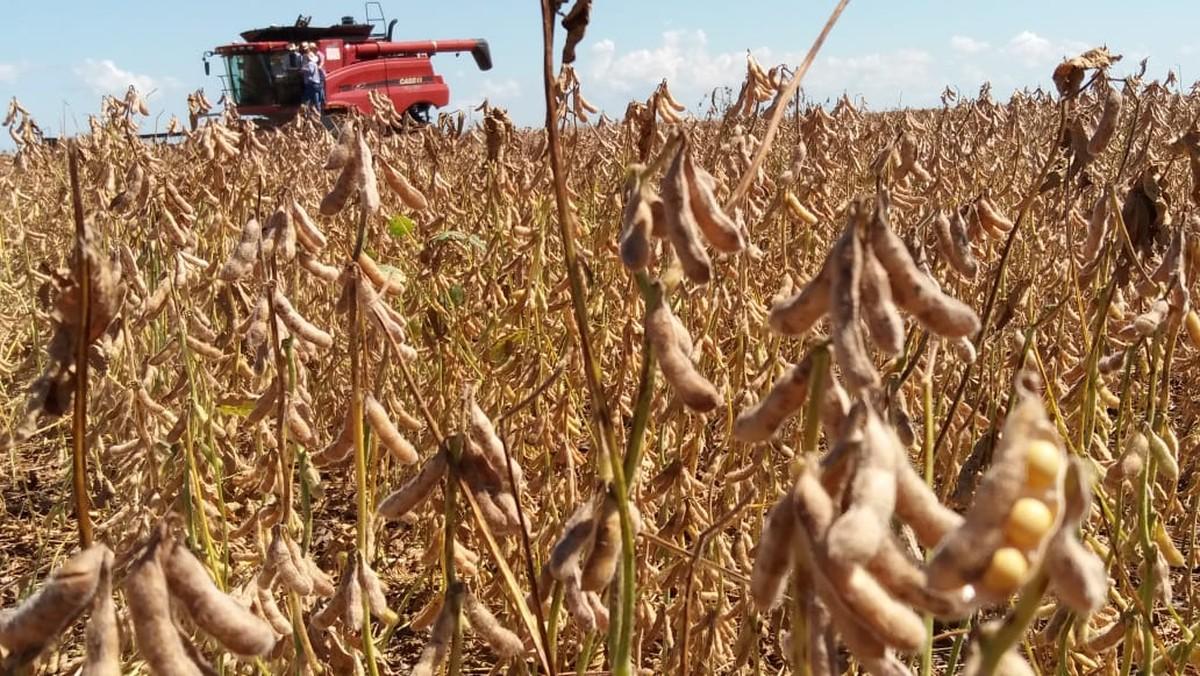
[{"x": 262, "y": 74}]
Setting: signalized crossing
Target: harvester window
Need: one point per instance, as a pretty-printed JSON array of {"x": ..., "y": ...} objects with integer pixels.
[{"x": 262, "y": 79}]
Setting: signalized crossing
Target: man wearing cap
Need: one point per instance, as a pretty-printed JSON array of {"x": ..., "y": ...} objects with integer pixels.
[{"x": 312, "y": 78}]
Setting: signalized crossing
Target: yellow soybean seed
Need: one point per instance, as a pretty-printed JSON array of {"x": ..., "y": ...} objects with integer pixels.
[
  {"x": 1028, "y": 523},
  {"x": 1042, "y": 461},
  {"x": 1006, "y": 572}
]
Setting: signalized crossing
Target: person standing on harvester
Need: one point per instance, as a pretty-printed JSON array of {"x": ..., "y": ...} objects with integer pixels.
[{"x": 311, "y": 76}]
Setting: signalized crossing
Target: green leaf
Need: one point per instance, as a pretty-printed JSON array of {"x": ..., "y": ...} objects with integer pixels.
[
  {"x": 457, "y": 295},
  {"x": 391, "y": 273},
  {"x": 459, "y": 236},
  {"x": 240, "y": 410},
  {"x": 400, "y": 226}
]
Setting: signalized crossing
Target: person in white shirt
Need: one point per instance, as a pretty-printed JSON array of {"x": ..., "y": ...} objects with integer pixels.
[{"x": 313, "y": 78}]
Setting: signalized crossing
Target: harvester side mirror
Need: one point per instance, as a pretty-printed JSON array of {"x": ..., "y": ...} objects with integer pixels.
[{"x": 207, "y": 65}]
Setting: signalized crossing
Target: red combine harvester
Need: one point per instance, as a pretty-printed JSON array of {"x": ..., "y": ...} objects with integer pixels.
[{"x": 262, "y": 75}]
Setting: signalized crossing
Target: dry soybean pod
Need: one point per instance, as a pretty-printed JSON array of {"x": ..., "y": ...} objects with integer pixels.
[
  {"x": 103, "y": 640},
  {"x": 367, "y": 184},
  {"x": 854, "y": 588},
  {"x": 504, "y": 642},
  {"x": 717, "y": 228},
  {"x": 1078, "y": 576},
  {"x": 1108, "y": 122},
  {"x": 307, "y": 232},
  {"x": 857, "y": 533},
  {"x": 434, "y": 652},
  {"x": 279, "y": 560},
  {"x": 339, "y": 449},
  {"x": 343, "y": 150},
  {"x": 415, "y": 490},
  {"x": 883, "y": 320},
  {"x": 395, "y": 442},
  {"x": 158, "y": 641},
  {"x": 682, "y": 230},
  {"x": 912, "y": 289},
  {"x": 849, "y": 350},
  {"x": 773, "y": 560},
  {"x": 488, "y": 442},
  {"x": 905, "y": 580},
  {"x": 954, "y": 245},
  {"x": 919, "y": 507},
  {"x": 796, "y": 315},
  {"x": 372, "y": 586},
  {"x": 297, "y": 324},
  {"x": 214, "y": 611},
  {"x": 601, "y": 562},
  {"x": 637, "y": 220},
  {"x": 41, "y": 617},
  {"x": 784, "y": 399},
  {"x": 696, "y": 392},
  {"x": 270, "y": 607},
  {"x": 409, "y": 195},
  {"x": 564, "y": 555},
  {"x": 347, "y": 182},
  {"x": 243, "y": 257}
]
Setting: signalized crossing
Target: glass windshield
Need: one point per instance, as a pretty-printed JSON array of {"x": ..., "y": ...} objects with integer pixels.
[{"x": 263, "y": 79}]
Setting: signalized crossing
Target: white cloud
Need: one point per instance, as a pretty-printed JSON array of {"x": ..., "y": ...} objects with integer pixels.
[
  {"x": 503, "y": 89},
  {"x": 966, "y": 45},
  {"x": 105, "y": 77},
  {"x": 693, "y": 69},
  {"x": 1033, "y": 50},
  {"x": 683, "y": 58},
  {"x": 882, "y": 78},
  {"x": 9, "y": 71}
]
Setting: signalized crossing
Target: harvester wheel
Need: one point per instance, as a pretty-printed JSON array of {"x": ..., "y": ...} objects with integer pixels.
[{"x": 421, "y": 113}]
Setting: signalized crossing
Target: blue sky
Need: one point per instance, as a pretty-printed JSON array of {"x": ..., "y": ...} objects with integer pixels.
[{"x": 60, "y": 57}]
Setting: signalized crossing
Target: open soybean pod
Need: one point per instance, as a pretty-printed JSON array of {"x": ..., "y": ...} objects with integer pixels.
[{"x": 1016, "y": 508}]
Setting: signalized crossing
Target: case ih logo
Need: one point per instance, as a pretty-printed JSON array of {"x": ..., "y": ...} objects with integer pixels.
[{"x": 395, "y": 82}]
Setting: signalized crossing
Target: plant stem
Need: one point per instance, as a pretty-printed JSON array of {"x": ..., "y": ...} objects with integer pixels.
[
  {"x": 83, "y": 272},
  {"x": 607, "y": 440}
]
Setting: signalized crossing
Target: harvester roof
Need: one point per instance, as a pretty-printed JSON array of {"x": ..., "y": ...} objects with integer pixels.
[{"x": 350, "y": 32}]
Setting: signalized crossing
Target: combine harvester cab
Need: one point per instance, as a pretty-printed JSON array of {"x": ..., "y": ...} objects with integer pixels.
[{"x": 262, "y": 75}]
